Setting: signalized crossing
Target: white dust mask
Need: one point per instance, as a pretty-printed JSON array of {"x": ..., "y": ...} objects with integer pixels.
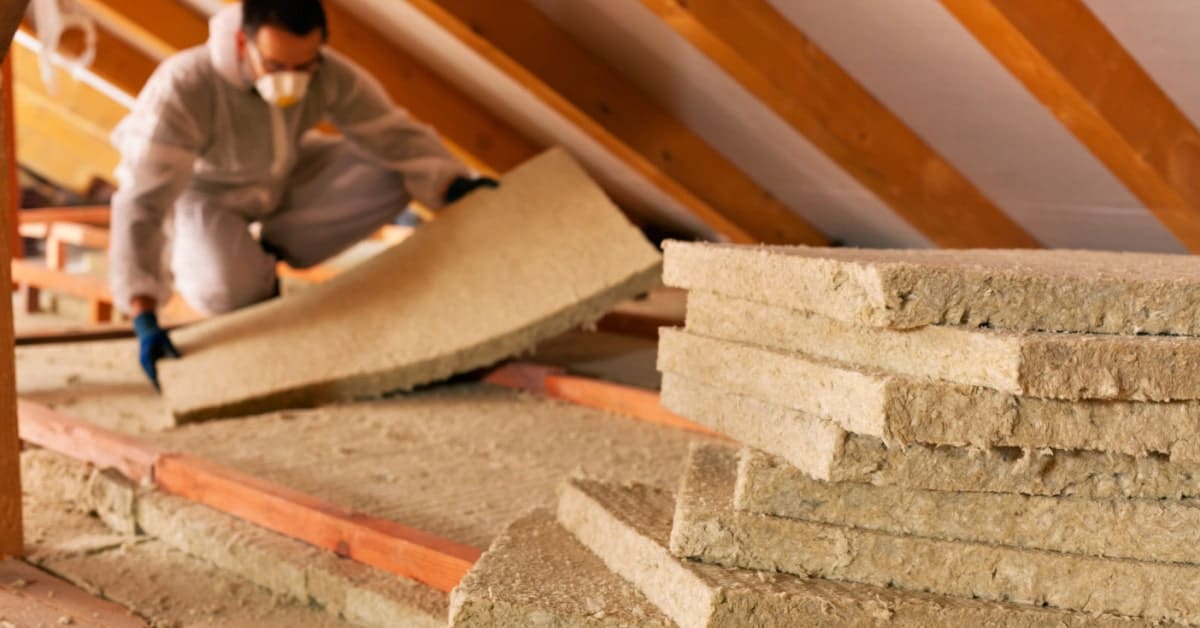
[{"x": 283, "y": 89}]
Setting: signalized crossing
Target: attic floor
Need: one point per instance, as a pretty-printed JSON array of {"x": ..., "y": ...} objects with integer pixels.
[{"x": 459, "y": 461}]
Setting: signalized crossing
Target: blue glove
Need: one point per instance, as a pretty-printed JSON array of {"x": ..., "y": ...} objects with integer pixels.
[
  {"x": 153, "y": 344},
  {"x": 463, "y": 186}
]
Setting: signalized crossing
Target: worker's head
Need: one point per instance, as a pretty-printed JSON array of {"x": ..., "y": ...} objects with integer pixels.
[{"x": 281, "y": 43}]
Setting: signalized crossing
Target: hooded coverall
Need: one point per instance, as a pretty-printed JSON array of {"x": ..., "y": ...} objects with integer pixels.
[{"x": 203, "y": 157}]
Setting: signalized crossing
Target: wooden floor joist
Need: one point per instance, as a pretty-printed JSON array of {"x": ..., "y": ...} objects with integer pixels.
[
  {"x": 635, "y": 324},
  {"x": 88, "y": 214},
  {"x": 555, "y": 383},
  {"x": 383, "y": 544},
  {"x": 53, "y": 280},
  {"x": 81, "y": 440},
  {"x": 74, "y": 334}
]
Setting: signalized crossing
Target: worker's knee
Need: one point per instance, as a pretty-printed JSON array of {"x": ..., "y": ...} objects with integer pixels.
[
  {"x": 301, "y": 261},
  {"x": 227, "y": 295}
]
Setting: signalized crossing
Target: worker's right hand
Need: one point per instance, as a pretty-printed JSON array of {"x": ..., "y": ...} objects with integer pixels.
[{"x": 153, "y": 344}]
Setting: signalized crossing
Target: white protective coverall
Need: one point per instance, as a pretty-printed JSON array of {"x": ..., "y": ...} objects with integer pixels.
[{"x": 203, "y": 148}]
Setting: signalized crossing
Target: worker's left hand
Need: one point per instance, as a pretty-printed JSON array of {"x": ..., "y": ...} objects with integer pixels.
[
  {"x": 463, "y": 186},
  {"x": 153, "y": 344}
]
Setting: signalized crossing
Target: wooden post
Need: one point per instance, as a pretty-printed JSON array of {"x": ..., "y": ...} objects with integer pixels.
[
  {"x": 11, "y": 533},
  {"x": 14, "y": 182}
]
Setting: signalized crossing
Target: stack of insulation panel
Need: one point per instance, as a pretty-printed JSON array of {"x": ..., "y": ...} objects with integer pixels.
[{"x": 927, "y": 438}]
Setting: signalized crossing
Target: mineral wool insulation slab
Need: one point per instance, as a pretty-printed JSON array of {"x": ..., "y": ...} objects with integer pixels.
[
  {"x": 101, "y": 382},
  {"x": 806, "y": 445},
  {"x": 161, "y": 584},
  {"x": 460, "y": 462},
  {"x": 1033, "y": 364},
  {"x": 537, "y": 574},
  {"x": 1138, "y": 529},
  {"x": 905, "y": 410},
  {"x": 707, "y": 528},
  {"x": 491, "y": 277},
  {"x": 1017, "y": 290},
  {"x": 287, "y": 569},
  {"x": 629, "y": 527}
]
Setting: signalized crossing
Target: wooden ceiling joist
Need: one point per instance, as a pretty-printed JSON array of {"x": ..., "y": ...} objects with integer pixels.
[
  {"x": 528, "y": 37},
  {"x": 582, "y": 121},
  {"x": 787, "y": 71},
  {"x": 1067, "y": 59},
  {"x": 475, "y": 135}
]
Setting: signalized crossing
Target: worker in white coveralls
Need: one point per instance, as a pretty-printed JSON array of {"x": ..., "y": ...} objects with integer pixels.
[{"x": 220, "y": 140}]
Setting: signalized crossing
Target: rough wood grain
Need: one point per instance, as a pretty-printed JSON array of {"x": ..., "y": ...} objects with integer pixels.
[{"x": 11, "y": 534}]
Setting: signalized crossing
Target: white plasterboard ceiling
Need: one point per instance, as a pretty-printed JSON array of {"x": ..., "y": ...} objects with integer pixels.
[{"x": 928, "y": 70}]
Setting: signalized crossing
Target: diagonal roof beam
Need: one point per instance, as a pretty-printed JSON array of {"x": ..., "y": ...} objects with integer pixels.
[
  {"x": 773, "y": 60},
  {"x": 594, "y": 132},
  {"x": 523, "y": 33},
  {"x": 117, "y": 62},
  {"x": 1067, "y": 59},
  {"x": 63, "y": 136}
]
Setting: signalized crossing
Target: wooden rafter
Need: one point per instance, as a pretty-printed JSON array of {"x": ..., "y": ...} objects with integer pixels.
[
  {"x": 175, "y": 26},
  {"x": 11, "y": 532},
  {"x": 788, "y": 72},
  {"x": 528, "y": 37},
  {"x": 83, "y": 101},
  {"x": 475, "y": 135},
  {"x": 491, "y": 141},
  {"x": 1067, "y": 59},
  {"x": 581, "y": 120},
  {"x": 117, "y": 62},
  {"x": 63, "y": 136}
]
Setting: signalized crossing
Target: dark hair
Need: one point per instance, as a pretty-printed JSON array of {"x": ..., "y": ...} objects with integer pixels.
[{"x": 298, "y": 17}]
